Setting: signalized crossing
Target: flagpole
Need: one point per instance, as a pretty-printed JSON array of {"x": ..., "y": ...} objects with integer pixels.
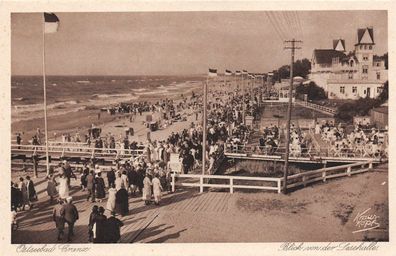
[
  {"x": 243, "y": 98},
  {"x": 204, "y": 126},
  {"x": 45, "y": 102}
]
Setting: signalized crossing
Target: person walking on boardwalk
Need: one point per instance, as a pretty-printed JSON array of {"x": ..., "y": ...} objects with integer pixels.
[
  {"x": 111, "y": 177},
  {"x": 121, "y": 202},
  {"x": 111, "y": 201},
  {"x": 58, "y": 219},
  {"x": 91, "y": 186},
  {"x": 100, "y": 226},
  {"x": 157, "y": 189},
  {"x": 83, "y": 178},
  {"x": 51, "y": 188},
  {"x": 32, "y": 195},
  {"x": 70, "y": 214},
  {"x": 100, "y": 187},
  {"x": 63, "y": 187},
  {"x": 147, "y": 189},
  {"x": 91, "y": 222},
  {"x": 113, "y": 226},
  {"x": 24, "y": 199}
]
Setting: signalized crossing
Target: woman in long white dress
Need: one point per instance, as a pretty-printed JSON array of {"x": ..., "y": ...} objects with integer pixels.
[
  {"x": 111, "y": 201},
  {"x": 63, "y": 187},
  {"x": 157, "y": 189}
]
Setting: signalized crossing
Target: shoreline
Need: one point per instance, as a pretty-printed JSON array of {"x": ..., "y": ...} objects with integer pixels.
[{"x": 80, "y": 120}]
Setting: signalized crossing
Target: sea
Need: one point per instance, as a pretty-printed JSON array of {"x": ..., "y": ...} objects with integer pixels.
[{"x": 75, "y": 93}]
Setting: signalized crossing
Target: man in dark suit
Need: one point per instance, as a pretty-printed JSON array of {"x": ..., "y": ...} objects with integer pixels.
[
  {"x": 91, "y": 185},
  {"x": 70, "y": 215}
]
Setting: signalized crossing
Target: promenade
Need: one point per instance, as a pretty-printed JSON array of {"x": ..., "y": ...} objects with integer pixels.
[{"x": 188, "y": 216}]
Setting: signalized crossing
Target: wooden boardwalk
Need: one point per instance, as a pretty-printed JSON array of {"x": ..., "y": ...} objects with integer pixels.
[{"x": 36, "y": 225}]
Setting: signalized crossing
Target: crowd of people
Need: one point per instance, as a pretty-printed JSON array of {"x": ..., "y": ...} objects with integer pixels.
[{"x": 369, "y": 142}]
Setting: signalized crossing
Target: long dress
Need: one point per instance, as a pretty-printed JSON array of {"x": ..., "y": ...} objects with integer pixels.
[
  {"x": 22, "y": 187},
  {"x": 100, "y": 188},
  {"x": 121, "y": 202},
  {"x": 147, "y": 189},
  {"x": 63, "y": 188},
  {"x": 157, "y": 189},
  {"x": 111, "y": 202}
]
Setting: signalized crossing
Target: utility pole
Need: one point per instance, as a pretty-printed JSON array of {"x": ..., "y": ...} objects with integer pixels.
[{"x": 289, "y": 110}]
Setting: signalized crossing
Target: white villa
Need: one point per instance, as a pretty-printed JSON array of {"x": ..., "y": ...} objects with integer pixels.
[{"x": 350, "y": 75}]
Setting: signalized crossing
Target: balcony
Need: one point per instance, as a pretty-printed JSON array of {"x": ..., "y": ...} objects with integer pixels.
[{"x": 353, "y": 81}]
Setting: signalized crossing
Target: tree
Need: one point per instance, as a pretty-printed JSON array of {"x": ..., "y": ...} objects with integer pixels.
[
  {"x": 313, "y": 91},
  {"x": 302, "y": 68}
]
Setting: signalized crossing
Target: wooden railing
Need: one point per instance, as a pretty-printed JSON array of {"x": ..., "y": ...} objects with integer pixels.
[
  {"x": 269, "y": 183},
  {"x": 310, "y": 152},
  {"x": 305, "y": 178},
  {"x": 76, "y": 151},
  {"x": 272, "y": 184},
  {"x": 330, "y": 111}
]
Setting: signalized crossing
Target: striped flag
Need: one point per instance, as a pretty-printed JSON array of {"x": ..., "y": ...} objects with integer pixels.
[
  {"x": 212, "y": 72},
  {"x": 237, "y": 73},
  {"x": 228, "y": 72},
  {"x": 51, "y": 23}
]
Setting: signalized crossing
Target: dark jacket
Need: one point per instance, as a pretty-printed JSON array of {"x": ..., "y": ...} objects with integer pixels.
[
  {"x": 69, "y": 212},
  {"x": 113, "y": 226}
]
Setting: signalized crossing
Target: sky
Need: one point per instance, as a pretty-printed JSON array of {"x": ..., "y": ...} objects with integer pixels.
[{"x": 181, "y": 43}]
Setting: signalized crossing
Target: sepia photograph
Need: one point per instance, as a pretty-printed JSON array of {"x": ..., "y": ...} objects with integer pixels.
[{"x": 261, "y": 126}]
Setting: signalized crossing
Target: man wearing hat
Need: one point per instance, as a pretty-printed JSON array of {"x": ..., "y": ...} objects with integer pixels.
[{"x": 70, "y": 214}]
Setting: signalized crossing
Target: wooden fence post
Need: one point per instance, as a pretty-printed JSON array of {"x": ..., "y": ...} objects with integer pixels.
[
  {"x": 279, "y": 186},
  {"x": 304, "y": 179},
  {"x": 231, "y": 185},
  {"x": 324, "y": 175},
  {"x": 370, "y": 165},
  {"x": 201, "y": 184},
  {"x": 173, "y": 182},
  {"x": 35, "y": 165},
  {"x": 349, "y": 171}
]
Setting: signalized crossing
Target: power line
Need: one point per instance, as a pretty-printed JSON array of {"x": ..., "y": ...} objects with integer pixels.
[{"x": 274, "y": 25}]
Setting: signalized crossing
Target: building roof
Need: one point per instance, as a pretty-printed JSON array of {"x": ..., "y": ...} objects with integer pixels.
[
  {"x": 361, "y": 32},
  {"x": 383, "y": 109},
  {"x": 325, "y": 56},
  {"x": 335, "y": 43}
]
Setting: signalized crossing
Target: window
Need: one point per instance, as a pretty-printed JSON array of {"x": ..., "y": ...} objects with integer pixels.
[
  {"x": 342, "y": 89},
  {"x": 365, "y": 69},
  {"x": 365, "y": 57},
  {"x": 351, "y": 63},
  {"x": 378, "y": 64},
  {"x": 365, "y": 47},
  {"x": 361, "y": 47},
  {"x": 354, "y": 89},
  {"x": 370, "y": 47},
  {"x": 378, "y": 75},
  {"x": 350, "y": 75}
]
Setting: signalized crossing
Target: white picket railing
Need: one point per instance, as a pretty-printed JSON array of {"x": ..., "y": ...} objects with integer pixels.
[{"x": 272, "y": 184}]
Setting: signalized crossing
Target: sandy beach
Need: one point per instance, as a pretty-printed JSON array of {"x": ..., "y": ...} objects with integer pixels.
[{"x": 80, "y": 121}]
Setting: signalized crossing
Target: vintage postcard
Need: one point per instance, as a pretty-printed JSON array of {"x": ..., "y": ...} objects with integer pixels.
[{"x": 194, "y": 128}]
